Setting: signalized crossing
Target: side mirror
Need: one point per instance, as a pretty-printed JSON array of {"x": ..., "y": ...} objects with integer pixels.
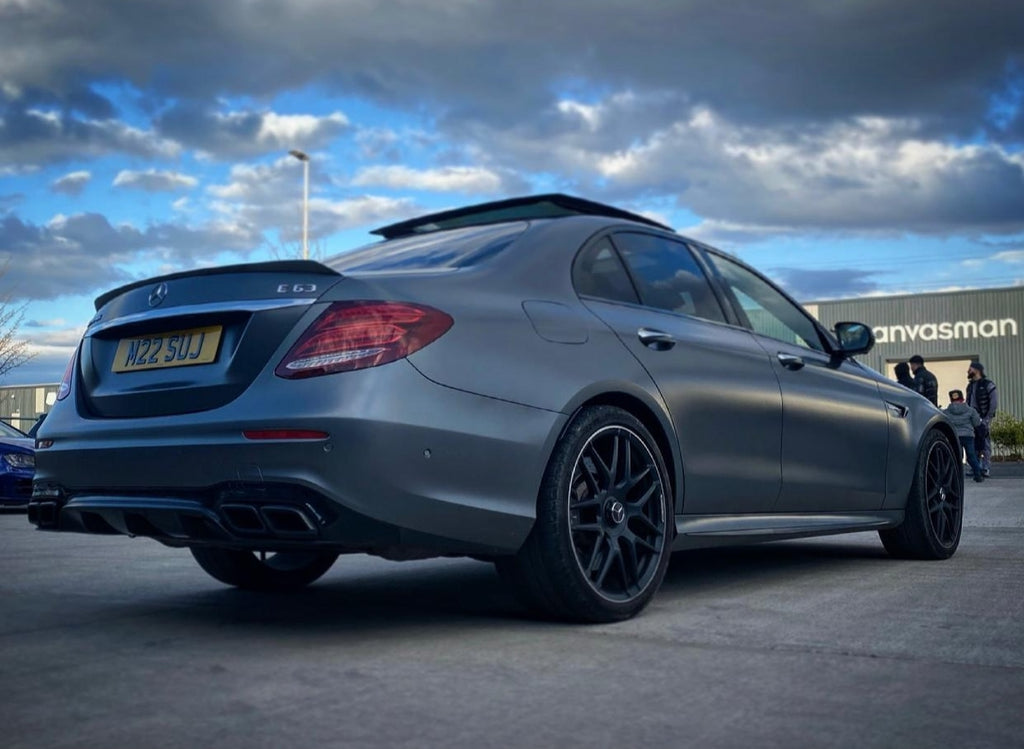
[{"x": 854, "y": 338}]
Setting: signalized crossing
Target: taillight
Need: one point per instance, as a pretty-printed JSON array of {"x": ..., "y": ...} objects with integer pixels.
[
  {"x": 356, "y": 335},
  {"x": 65, "y": 384}
]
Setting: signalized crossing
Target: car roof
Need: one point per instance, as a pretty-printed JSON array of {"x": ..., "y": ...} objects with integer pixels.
[{"x": 550, "y": 205}]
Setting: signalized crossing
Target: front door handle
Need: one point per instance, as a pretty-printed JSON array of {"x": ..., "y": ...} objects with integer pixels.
[
  {"x": 789, "y": 361},
  {"x": 658, "y": 340}
]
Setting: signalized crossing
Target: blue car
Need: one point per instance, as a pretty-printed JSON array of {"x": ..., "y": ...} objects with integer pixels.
[{"x": 17, "y": 466}]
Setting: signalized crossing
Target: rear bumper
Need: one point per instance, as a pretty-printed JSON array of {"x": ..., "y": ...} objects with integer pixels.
[
  {"x": 258, "y": 522},
  {"x": 408, "y": 468}
]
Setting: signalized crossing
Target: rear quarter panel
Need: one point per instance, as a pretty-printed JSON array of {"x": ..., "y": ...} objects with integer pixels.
[{"x": 520, "y": 332}]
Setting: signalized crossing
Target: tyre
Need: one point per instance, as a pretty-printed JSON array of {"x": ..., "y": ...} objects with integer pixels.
[
  {"x": 601, "y": 543},
  {"x": 935, "y": 505},
  {"x": 284, "y": 570}
]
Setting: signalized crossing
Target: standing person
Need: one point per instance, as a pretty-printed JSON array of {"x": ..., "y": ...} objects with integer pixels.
[
  {"x": 925, "y": 381},
  {"x": 983, "y": 397},
  {"x": 902, "y": 370},
  {"x": 966, "y": 420}
]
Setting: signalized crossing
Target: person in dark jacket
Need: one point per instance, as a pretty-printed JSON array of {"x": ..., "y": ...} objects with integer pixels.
[
  {"x": 983, "y": 397},
  {"x": 902, "y": 370},
  {"x": 925, "y": 381},
  {"x": 966, "y": 420}
]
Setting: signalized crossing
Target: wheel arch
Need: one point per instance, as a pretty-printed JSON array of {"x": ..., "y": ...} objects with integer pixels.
[
  {"x": 658, "y": 424},
  {"x": 946, "y": 429}
]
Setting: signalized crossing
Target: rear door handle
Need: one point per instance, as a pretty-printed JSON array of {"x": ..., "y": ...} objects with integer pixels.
[
  {"x": 789, "y": 361},
  {"x": 658, "y": 340}
]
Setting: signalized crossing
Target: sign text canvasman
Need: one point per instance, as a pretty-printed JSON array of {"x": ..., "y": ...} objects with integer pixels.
[{"x": 946, "y": 331}]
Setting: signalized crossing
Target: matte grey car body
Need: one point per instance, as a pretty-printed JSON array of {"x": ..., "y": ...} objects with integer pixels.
[{"x": 562, "y": 368}]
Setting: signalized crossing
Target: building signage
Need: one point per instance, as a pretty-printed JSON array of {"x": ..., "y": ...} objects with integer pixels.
[{"x": 946, "y": 331}]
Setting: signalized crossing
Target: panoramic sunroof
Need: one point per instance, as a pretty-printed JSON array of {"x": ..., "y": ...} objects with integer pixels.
[{"x": 554, "y": 205}]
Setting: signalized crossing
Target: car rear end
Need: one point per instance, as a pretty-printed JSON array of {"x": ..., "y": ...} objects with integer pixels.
[{"x": 275, "y": 406}]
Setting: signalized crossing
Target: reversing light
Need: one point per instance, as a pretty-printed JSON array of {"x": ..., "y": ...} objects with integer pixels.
[{"x": 357, "y": 335}]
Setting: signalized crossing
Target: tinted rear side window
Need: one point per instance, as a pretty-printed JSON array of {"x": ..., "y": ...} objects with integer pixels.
[
  {"x": 458, "y": 248},
  {"x": 667, "y": 275},
  {"x": 599, "y": 272}
]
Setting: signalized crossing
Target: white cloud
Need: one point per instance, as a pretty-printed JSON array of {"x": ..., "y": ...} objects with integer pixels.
[
  {"x": 269, "y": 196},
  {"x": 154, "y": 180},
  {"x": 83, "y": 253},
  {"x": 589, "y": 114},
  {"x": 72, "y": 183},
  {"x": 363, "y": 209},
  {"x": 30, "y": 136},
  {"x": 15, "y": 170},
  {"x": 243, "y": 133},
  {"x": 280, "y": 130},
  {"x": 443, "y": 179},
  {"x": 252, "y": 182},
  {"x": 866, "y": 174},
  {"x": 57, "y": 341}
]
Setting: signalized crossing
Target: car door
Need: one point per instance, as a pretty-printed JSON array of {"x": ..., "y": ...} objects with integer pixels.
[
  {"x": 717, "y": 382},
  {"x": 834, "y": 422}
]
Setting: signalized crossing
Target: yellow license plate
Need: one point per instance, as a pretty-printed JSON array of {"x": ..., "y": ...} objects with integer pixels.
[{"x": 176, "y": 348}]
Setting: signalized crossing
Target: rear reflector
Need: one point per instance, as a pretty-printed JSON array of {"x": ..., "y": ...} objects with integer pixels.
[
  {"x": 284, "y": 434},
  {"x": 357, "y": 335}
]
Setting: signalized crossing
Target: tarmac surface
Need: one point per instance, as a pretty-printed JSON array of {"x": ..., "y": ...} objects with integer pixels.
[{"x": 117, "y": 642}]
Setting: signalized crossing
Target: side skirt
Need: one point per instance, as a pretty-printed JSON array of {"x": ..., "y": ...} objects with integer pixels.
[{"x": 697, "y": 531}]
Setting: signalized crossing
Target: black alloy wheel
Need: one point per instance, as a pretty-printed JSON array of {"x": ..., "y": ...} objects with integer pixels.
[
  {"x": 935, "y": 505},
  {"x": 602, "y": 540},
  {"x": 944, "y": 493},
  {"x": 616, "y": 518}
]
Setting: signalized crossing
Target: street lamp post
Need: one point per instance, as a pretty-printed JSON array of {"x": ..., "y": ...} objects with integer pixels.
[{"x": 304, "y": 158}]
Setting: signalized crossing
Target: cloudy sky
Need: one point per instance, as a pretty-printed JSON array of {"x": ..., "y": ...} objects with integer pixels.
[{"x": 845, "y": 147}]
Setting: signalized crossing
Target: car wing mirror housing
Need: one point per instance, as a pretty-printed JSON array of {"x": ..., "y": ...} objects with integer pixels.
[{"x": 854, "y": 338}]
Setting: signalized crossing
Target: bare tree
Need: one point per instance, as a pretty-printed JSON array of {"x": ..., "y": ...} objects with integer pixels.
[
  {"x": 13, "y": 350},
  {"x": 281, "y": 250}
]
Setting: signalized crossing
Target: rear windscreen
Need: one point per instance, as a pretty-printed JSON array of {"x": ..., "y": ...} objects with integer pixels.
[{"x": 457, "y": 248}]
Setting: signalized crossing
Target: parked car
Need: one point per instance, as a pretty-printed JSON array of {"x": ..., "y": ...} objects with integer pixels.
[
  {"x": 17, "y": 466},
  {"x": 564, "y": 388}
]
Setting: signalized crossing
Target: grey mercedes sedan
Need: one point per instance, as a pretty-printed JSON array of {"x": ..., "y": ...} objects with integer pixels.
[{"x": 563, "y": 388}]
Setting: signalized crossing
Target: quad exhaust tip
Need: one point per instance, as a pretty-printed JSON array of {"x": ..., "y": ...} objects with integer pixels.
[{"x": 276, "y": 520}]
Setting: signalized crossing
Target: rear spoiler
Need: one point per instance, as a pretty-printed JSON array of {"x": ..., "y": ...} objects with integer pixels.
[
  {"x": 551, "y": 205},
  {"x": 273, "y": 266}
]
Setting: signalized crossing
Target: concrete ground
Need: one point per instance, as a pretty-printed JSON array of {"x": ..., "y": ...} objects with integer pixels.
[{"x": 108, "y": 642}]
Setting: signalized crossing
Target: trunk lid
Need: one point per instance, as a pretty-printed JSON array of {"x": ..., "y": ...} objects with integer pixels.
[{"x": 192, "y": 341}]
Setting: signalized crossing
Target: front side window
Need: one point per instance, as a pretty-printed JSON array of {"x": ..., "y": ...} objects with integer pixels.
[
  {"x": 770, "y": 313},
  {"x": 667, "y": 275}
]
